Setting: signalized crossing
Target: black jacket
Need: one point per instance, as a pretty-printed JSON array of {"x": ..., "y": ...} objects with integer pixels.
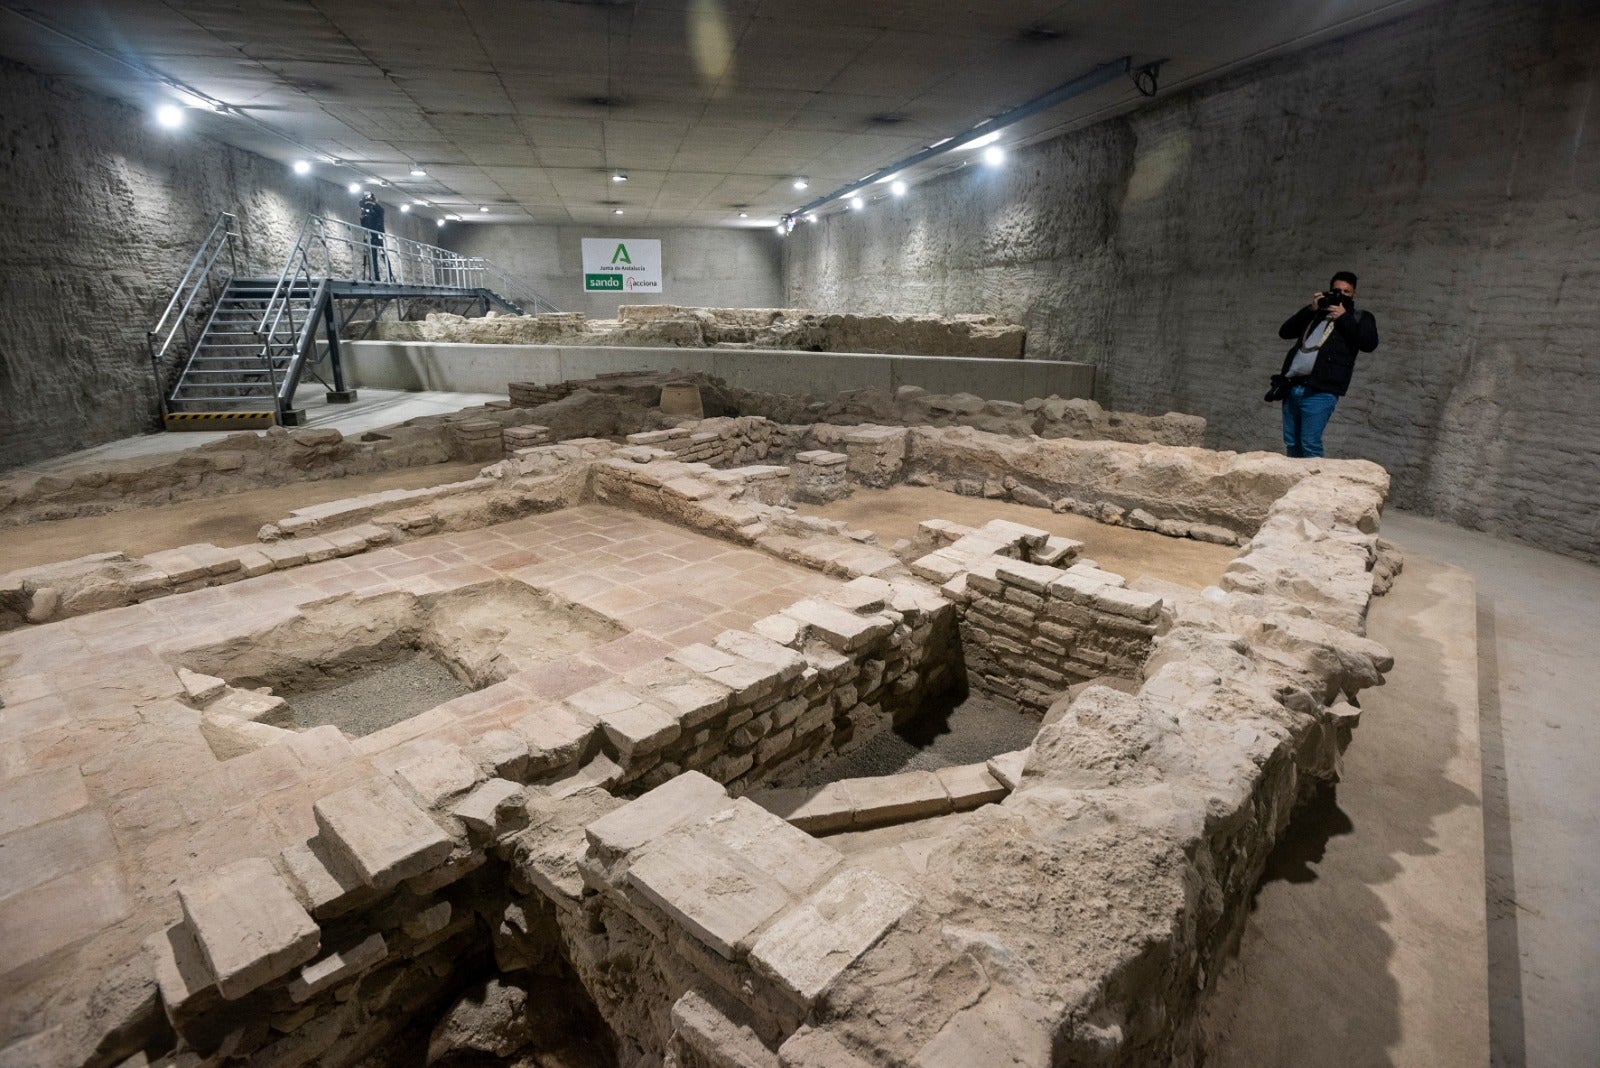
[
  {"x": 372, "y": 216},
  {"x": 1354, "y": 332}
]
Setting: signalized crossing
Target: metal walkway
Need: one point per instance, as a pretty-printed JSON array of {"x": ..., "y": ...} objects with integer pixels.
[{"x": 231, "y": 350}]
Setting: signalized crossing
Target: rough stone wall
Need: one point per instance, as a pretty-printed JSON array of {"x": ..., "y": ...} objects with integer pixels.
[
  {"x": 699, "y": 265},
  {"x": 1442, "y": 157},
  {"x": 100, "y": 212}
]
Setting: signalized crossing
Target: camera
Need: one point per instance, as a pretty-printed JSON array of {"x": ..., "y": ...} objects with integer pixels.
[{"x": 1328, "y": 300}]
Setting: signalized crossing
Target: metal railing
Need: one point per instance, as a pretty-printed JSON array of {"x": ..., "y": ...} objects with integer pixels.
[{"x": 202, "y": 275}]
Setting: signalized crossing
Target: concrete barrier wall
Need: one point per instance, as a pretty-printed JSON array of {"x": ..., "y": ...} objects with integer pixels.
[{"x": 418, "y": 365}]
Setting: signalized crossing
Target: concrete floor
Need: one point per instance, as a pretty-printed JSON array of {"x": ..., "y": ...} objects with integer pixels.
[
  {"x": 1452, "y": 874},
  {"x": 1539, "y": 687}
]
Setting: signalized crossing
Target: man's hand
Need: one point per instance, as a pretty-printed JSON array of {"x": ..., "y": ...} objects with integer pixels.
[
  {"x": 1316, "y": 298},
  {"x": 1335, "y": 313}
]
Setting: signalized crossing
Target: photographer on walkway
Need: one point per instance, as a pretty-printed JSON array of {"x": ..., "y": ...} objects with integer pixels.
[{"x": 1328, "y": 334}]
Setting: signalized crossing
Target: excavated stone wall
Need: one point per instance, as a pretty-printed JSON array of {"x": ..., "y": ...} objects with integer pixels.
[
  {"x": 101, "y": 212},
  {"x": 784, "y": 329},
  {"x": 704, "y": 921},
  {"x": 1443, "y": 157}
]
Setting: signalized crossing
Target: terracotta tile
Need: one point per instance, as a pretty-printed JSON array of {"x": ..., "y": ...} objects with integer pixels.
[
  {"x": 560, "y": 678},
  {"x": 626, "y": 653},
  {"x": 54, "y": 915}
]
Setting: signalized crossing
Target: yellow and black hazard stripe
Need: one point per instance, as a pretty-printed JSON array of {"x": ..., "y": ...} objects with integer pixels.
[{"x": 199, "y": 420}]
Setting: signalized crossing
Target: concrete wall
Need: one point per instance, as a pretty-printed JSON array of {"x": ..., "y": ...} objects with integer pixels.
[
  {"x": 724, "y": 268},
  {"x": 1450, "y": 158},
  {"x": 99, "y": 214},
  {"x": 419, "y": 365}
]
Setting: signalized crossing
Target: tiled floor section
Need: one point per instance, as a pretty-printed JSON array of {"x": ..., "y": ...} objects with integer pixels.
[{"x": 110, "y": 797}]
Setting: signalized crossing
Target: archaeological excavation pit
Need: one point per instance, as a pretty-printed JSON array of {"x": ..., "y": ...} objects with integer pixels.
[
  {"x": 363, "y": 664},
  {"x": 739, "y": 740}
]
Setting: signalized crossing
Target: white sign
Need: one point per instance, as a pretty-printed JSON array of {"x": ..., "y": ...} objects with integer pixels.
[{"x": 613, "y": 265}]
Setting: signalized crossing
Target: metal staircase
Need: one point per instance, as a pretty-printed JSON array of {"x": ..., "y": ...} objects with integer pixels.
[{"x": 232, "y": 351}]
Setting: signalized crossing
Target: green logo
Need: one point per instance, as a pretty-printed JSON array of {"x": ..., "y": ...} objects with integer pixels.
[
  {"x": 601, "y": 281},
  {"x": 621, "y": 255}
]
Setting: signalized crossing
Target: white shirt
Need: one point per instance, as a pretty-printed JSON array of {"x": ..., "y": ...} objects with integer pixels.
[{"x": 1306, "y": 357}]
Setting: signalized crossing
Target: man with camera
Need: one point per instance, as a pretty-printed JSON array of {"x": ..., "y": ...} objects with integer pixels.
[{"x": 1328, "y": 333}]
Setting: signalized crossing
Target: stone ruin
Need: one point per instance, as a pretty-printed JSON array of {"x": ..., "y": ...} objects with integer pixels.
[
  {"x": 792, "y": 329},
  {"x": 618, "y": 840}
]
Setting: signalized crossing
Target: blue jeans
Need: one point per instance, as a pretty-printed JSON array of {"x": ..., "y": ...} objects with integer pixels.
[{"x": 1304, "y": 416}]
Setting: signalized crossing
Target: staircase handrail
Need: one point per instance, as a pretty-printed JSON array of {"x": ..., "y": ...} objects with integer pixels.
[
  {"x": 222, "y": 236},
  {"x": 504, "y": 285}
]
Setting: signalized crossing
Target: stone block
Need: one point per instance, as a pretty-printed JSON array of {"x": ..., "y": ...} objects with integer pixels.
[
  {"x": 384, "y": 836},
  {"x": 556, "y": 737},
  {"x": 493, "y": 809},
  {"x": 888, "y": 799},
  {"x": 781, "y": 851},
  {"x": 200, "y": 688},
  {"x": 1034, "y": 578},
  {"x": 182, "y": 975},
  {"x": 714, "y": 898},
  {"x": 839, "y": 627},
  {"x": 759, "y": 650},
  {"x": 863, "y": 595},
  {"x": 335, "y": 968},
  {"x": 438, "y": 776},
  {"x": 807, "y": 949},
  {"x": 1007, "y": 767},
  {"x": 687, "y": 799},
  {"x": 253, "y": 708},
  {"x": 693, "y": 702},
  {"x": 785, "y": 630},
  {"x": 1015, "y": 533},
  {"x": 638, "y": 729},
  {"x": 709, "y": 1036},
  {"x": 811, "y": 1048},
  {"x": 1135, "y": 604},
  {"x": 815, "y": 811},
  {"x": 970, "y": 786},
  {"x": 499, "y": 752},
  {"x": 326, "y": 885},
  {"x": 248, "y": 925}
]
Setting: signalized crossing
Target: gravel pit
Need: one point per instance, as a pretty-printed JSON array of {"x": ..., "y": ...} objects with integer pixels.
[
  {"x": 951, "y": 730},
  {"x": 388, "y": 694}
]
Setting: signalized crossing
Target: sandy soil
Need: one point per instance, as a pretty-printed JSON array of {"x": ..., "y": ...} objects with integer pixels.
[
  {"x": 230, "y": 520},
  {"x": 894, "y": 513}
]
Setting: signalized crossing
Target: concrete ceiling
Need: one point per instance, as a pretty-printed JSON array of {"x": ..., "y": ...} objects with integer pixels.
[{"x": 710, "y": 107}]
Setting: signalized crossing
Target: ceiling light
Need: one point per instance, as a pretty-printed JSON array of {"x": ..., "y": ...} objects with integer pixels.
[
  {"x": 170, "y": 116},
  {"x": 354, "y": 187},
  {"x": 484, "y": 208},
  {"x": 857, "y": 203},
  {"x": 302, "y": 167},
  {"x": 419, "y": 203},
  {"x": 616, "y": 211},
  {"x": 440, "y": 222},
  {"x": 994, "y": 155},
  {"x": 801, "y": 183},
  {"x": 779, "y": 228},
  {"x": 744, "y": 215},
  {"x": 898, "y": 189},
  {"x": 619, "y": 177},
  {"x": 404, "y": 208},
  {"x": 811, "y": 216},
  {"x": 453, "y": 217},
  {"x": 887, "y": 178},
  {"x": 417, "y": 171},
  {"x": 978, "y": 142}
]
